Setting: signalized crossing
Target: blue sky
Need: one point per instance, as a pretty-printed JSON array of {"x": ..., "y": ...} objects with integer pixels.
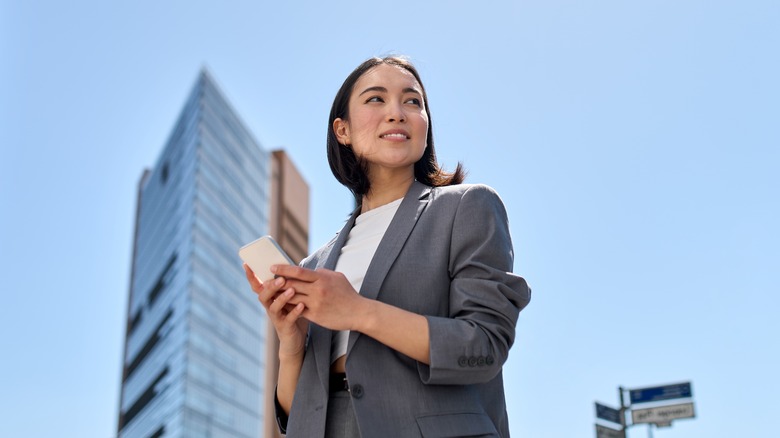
[{"x": 635, "y": 145}]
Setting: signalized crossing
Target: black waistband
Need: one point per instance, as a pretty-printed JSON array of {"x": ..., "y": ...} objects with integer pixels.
[{"x": 338, "y": 382}]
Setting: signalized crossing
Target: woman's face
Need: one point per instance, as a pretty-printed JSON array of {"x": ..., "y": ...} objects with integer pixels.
[{"x": 387, "y": 125}]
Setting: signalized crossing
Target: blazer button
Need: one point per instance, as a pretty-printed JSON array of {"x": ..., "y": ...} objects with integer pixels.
[
  {"x": 356, "y": 390},
  {"x": 481, "y": 361},
  {"x": 463, "y": 361},
  {"x": 472, "y": 361},
  {"x": 489, "y": 360}
]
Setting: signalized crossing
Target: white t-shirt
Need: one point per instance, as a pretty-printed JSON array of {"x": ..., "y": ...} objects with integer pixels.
[{"x": 356, "y": 255}]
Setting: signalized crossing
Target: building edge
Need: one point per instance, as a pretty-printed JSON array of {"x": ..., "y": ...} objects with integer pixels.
[{"x": 289, "y": 225}]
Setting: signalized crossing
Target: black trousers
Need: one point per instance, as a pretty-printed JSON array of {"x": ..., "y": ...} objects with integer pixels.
[{"x": 341, "y": 422}]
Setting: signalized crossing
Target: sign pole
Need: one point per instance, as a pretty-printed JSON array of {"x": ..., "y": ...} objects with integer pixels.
[
  {"x": 622, "y": 411},
  {"x": 655, "y": 416}
]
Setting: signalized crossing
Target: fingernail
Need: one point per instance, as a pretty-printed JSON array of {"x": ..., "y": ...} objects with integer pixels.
[{"x": 279, "y": 281}]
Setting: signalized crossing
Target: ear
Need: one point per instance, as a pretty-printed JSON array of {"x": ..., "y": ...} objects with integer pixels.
[{"x": 341, "y": 129}]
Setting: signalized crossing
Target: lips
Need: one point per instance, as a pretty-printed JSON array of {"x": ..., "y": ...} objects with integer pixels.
[{"x": 395, "y": 134}]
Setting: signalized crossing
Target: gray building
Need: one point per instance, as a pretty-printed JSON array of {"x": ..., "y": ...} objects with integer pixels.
[{"x": 197, "y": 354}]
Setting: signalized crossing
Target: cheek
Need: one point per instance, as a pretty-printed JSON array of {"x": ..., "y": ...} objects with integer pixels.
[
  {"x": 361, "y": 122},
  {"x": 364, "y": 120},
  {"x": 422, "y": 125}
]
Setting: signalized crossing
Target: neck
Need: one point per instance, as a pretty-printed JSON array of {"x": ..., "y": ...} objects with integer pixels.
[{"x": 385, "y": 191}]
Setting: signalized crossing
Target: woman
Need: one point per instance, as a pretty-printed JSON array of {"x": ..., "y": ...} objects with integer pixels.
[{"x": 400, "y": 325}]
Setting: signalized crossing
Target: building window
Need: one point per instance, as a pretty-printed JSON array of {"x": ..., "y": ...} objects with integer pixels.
[
  {"x": 164, "y": 173},
  {"x": 148, "y": 395},
  {"x": 134, "y": 321},
  {"x": 149, "y": 346},
  {"x": 162, "y": 281}
]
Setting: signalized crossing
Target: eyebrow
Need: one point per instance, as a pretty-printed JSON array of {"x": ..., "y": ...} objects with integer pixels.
[{"x": 384, "y": 90}]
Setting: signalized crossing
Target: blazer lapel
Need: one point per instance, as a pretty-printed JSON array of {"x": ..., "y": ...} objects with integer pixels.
[
  {"x": 322, "y": 335},
  {"x": 329, "y": 261},
  {"x": 392, "y": 242}
]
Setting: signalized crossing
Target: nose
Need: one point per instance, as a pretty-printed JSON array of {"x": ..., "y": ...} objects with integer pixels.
[{"x": 395, "y": 113}]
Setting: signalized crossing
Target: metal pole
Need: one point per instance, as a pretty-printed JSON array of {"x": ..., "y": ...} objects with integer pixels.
[
  {"x": 622, "y": 411},
  {"x": 649, "y": 430}
]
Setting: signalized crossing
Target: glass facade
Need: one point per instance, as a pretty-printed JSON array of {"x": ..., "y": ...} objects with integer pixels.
[{"x": 196, "y": 335}]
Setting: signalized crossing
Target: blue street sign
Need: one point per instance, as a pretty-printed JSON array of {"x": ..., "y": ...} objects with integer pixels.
[
  {"x": 657, "y": 393},
  {"x": 607, "y": 413}
]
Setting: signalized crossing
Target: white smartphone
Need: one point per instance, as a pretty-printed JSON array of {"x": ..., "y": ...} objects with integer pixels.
[{"x": 261, "y": 254}]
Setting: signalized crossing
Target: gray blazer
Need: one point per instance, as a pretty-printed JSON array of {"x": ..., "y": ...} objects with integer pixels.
[{"x": 447, "y": 255}]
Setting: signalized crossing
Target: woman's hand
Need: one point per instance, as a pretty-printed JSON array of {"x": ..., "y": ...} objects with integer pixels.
[
  {"x": 285, "y": 316},
  {"x": 333, "y": 303},
  {"x": 328, "y": 297}
]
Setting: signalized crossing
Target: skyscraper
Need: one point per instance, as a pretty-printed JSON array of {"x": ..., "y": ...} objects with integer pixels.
[{"x": 195, "y": 357}]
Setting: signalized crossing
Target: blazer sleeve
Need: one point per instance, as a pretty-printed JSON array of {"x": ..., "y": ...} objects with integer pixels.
[
  {"x": 281, "y": 417},
  {"x": 485, "y": 297}
]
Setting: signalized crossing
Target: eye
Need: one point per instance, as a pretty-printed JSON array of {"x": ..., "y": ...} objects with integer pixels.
[
  {"x": 374, "y": 99},
  {"x": 414, "y": 101}
]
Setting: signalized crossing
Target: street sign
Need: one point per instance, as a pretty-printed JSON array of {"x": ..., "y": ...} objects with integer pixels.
[
  {"x": 607, "y": 413},
  {"x": 662, "y": 414},
  {"x": 657, "y": 393},
  {"x": 606, "y": 432}
]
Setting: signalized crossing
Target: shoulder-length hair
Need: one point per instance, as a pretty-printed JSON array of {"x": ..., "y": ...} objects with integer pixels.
[{"x": 351, "y": 170}]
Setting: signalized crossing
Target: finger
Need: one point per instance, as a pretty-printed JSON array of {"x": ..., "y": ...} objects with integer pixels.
[
  {"x": 296, "y": 272},
  {"x": 278, "y": 304},
  {"x": 289, "y": 307},
  {"x": 301, "y": 287},
  {"x": 253, "y": 281},
  {"x": 271, "y": 291},
  {"x": 295, "y": 313}
]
